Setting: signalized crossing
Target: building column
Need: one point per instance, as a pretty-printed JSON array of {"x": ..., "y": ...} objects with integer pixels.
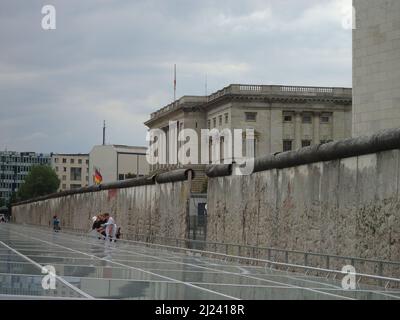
[
  {"x": 297, "y": 130},
  {"x": 316, "y": 126}
]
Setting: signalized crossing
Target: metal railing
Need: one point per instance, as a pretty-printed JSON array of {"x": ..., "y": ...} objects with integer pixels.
[
  {"x": 261, "y": 89},
  {"x": 302, "y": 259},
  {"x": 274, "y": 258},
  {"x": 279, "y": 90}
]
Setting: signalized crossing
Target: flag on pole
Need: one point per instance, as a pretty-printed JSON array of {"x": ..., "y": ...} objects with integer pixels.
[{"x": 97, "y": 177}]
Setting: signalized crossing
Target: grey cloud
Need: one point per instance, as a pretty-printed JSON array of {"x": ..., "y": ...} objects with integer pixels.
[{"x": 113, "y": 59}]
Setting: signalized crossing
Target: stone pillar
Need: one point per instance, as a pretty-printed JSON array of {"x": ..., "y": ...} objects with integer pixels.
[
  {"x": 376, "y": 72},
  {"x": 316, "y": 127},
  {"x": 297, "y": 130}
]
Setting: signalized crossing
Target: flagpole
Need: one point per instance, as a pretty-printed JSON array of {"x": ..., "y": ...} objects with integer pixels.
[
  {"x": 206, "y": 86},
  {"x": 174, "y": 82}
]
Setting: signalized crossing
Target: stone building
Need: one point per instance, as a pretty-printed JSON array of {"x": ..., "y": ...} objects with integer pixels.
[
  {"x": 283, "y": 117},
  {"x": 71, "y": 169},
  {"x": 376, "y": 66}
]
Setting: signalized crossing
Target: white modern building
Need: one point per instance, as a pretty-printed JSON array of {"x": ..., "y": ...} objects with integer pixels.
[
  {"x": 117, "y": 162},
  {"x": 71, "y": 169}
]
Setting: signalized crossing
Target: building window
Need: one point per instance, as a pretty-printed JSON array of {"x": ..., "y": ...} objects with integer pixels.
[
  {"x": 325, "y": 118},
  {"x": 56, "y": 169},
  {"x": 307, "y": 118},
  {"x": 226, "y": 118},
  {"x": 76, "y": 174},
  {"x": 251, "y": 116},
  {"x": 87, "y": 161},
  {"x": 287, "y": 117},
  {"x": 220, "y": 120},
  {"x": 287, "y": 145},
  {"x": 64, "y": 160},
  {"x": 64, "y": 186},
  {"x": 64, "y": 178},
  {"x": 65, "y": 169},
  {"x": 215, "y": 122},
  {"x": 72, "y": 161},
  {"x": 305, "y": 143},
  {"x": 55, "y": 160},
  {"x": 121, "y": 177},
  {"x": 79, "y": 161},
  {"x": 209, "y": 124}
]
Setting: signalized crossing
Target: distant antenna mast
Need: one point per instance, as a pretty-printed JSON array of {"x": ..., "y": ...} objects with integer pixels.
[
  {"x": 206, "y": 86},
  {"x": 104, "y": 133},
  {"x": 174, "y": 82}
]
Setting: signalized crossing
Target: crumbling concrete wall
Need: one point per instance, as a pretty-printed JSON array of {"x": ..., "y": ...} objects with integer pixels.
[
  {"x": 347, "y": 207},
  {"x": 156, "y": 210}
]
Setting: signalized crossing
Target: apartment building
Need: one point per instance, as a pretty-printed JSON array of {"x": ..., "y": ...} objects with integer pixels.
[
  {"x": 14, "y": 167},
  {"x": 71, "y": 169}
]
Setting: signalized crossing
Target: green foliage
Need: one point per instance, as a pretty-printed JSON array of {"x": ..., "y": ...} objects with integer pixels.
[
  {"x": 41, "y": 181},
  {"x": 12, "y": 199}
]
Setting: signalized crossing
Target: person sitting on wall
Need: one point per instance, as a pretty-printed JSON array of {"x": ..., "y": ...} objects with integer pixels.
[
  {"x": 99, "y": 220},
  {"x": 118, "y": 235}
]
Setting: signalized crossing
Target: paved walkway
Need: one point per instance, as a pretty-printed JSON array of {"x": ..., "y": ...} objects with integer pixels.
[{"x": 88, "y": 268}]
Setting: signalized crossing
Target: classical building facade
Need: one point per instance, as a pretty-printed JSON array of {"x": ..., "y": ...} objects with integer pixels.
[
  {"x": 283, "y": 118},
  {"x": 376, "y": 66},
  {"x": 117, "y": 162},
  {"x": 14, "y": 167},
  {"x": 71, "y": 169}
]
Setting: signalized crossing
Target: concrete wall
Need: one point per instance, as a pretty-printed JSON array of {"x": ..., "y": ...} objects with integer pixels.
[
  {"x": 345, "y": 207},
  {"x": 158, "y": 210},
  {"x": 376, "y": 66}
]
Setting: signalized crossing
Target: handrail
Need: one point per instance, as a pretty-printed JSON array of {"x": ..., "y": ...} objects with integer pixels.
[
  {"x": 187, "y": 242},
  {"x": 271, "y": 248},
  {"x": 266, "y": 261}
]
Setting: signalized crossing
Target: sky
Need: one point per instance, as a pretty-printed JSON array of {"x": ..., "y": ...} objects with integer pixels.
[{"x": 113, "y": 60}]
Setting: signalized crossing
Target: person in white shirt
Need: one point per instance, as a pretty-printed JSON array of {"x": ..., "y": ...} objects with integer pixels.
[{"x": 111, "y": 227}]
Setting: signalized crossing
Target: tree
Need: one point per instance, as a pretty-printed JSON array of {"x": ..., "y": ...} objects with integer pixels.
[{"x": 41, "y": 181}]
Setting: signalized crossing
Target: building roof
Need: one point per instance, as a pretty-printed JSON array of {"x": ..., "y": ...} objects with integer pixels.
[
  {"x": 70, "y": 154},
  {"x": 124, "y": 148},
  {"x": 24, "y": 154},
  {"x": 256, "y": 91}
]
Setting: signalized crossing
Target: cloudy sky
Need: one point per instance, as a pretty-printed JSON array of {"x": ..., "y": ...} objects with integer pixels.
[{"x": 113, "y": 60}]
